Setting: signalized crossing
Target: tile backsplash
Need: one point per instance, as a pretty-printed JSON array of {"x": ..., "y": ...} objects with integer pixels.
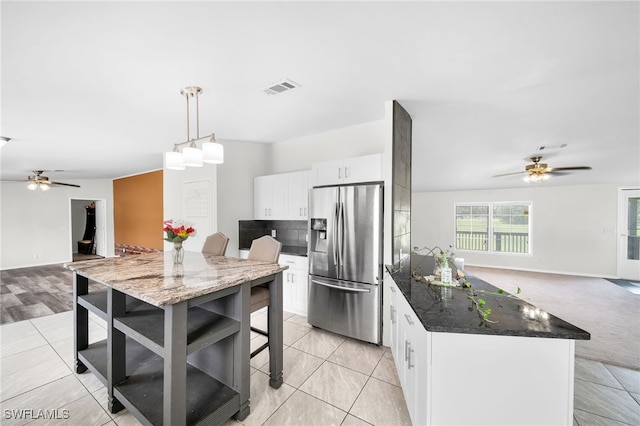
[{"x": 288, "y": 232}]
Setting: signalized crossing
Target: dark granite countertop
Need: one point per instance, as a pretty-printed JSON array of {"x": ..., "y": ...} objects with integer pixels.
[
  {"x": 290, "y": 250},
  {"x": 449, "y": 309}
]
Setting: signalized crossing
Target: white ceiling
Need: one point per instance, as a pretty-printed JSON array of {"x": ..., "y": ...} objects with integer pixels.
[{"x": 92, "y": 88}]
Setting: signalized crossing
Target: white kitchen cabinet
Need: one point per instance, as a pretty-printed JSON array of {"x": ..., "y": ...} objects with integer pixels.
[
  {"x": 269, "y": 197},
  {"x": 282, "y": 196},
  {"x": 295, "y": 282},
  {"x": 409, "y": 341},
  {"x": 366, "y": 168},
  {"x": 298, "y": 195}
]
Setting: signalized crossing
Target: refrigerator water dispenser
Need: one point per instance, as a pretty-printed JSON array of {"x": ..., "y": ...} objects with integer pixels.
[{"x": 318, "y": 235}]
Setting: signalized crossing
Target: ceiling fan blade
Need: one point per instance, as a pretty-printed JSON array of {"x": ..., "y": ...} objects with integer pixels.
[
  {"x": 64, "y": 184},
  {"x": 508, "y": 174},
  {"x": 565, "y": 169}
]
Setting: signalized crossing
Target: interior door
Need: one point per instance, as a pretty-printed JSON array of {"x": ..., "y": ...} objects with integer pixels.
[
  {"x": 629, "y": 235},
  {"x": 101, "y": 228}
]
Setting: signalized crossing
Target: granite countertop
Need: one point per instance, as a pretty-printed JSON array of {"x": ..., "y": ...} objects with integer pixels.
[
  {"x": 154, "y": 278},
  {"x": 449, "y": 309}
]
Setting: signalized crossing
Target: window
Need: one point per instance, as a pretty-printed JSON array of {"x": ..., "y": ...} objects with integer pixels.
[{"x": 493, "y": 227}]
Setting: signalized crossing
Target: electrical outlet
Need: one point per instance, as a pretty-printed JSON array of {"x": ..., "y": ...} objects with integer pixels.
[{"x": 273, "y": 233}]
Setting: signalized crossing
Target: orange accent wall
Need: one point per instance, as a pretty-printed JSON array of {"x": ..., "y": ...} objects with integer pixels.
[{"x": 137, "y": 210}]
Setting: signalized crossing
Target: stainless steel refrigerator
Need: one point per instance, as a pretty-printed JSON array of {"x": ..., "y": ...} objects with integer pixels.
[{"x": 345, "y": 260}]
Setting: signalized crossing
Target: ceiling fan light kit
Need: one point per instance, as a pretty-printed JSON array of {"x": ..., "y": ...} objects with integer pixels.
[
  {"x": 38, "y": 182},
  {"x": 539, "y": 172},
  {"x": 536, "y": 178},
  {"x": 192, "y": 156}
]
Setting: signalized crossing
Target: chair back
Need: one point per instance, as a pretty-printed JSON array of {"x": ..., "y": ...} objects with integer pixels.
[
  {"x": 216, "y": 244},
  {"x": 266, "y": 249}
]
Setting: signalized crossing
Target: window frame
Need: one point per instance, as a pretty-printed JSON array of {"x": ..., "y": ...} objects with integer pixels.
[{"x": 490, "y": 236}]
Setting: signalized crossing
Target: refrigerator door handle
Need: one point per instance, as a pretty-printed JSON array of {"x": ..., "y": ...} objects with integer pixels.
[
  {"x": 341, "y": 236},
  {"x": 355, "y": 290},
  {"x": 335, "y": 235}
]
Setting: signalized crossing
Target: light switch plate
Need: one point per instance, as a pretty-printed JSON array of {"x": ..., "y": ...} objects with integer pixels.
[{"x": 273, "y": 233}]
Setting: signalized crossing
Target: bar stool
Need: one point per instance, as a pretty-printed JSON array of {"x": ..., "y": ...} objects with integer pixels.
[
  {"x": 265, "y": 249},
  {"x": 216, "y": 244}
]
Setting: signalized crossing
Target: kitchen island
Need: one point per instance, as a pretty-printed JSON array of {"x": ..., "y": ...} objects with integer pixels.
[
  {"x": 177, "y": 350},
  {"x": 515, "y": 367}
]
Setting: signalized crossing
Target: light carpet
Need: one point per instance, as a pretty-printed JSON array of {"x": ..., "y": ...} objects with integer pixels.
[{"x": 609, "y": 312}]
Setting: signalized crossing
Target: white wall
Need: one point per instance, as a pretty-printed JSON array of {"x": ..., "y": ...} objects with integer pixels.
[
  {"x": 300, "y": 153},
  {"x": 174, "y": 204},
  {"x": 572, "y": 228},
  {"x": 35, "y": 226},
  {"x": 231, "y": 192},
  {"x": 242, "y": 161}
]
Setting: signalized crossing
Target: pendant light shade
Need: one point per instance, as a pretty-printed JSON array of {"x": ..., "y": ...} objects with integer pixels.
[
  {"x": 212, "y": 152},
  {"x": 174, "y": 160},
  {"x": 192, "y": 156}
]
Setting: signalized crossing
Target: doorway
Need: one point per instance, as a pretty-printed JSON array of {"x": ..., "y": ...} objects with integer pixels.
[
  {"x": 78, "y": 221},
  {"x": 629, "y": 233}
]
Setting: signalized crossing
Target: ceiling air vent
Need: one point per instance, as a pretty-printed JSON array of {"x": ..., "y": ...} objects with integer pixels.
[{"x": 280, "y": 87}]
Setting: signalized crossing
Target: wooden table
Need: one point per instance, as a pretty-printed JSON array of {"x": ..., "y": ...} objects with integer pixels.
[{"x": 177, "y": 347}]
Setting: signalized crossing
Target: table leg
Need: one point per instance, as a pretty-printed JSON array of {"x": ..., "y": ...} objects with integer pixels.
[
  {"x": 275, "y": 331},
  {"x": 175, "y": 364},
  {"x": 116, "y": 348},
  {"x": 81, "y": 323},
  {"x": 241, "y": 342}
]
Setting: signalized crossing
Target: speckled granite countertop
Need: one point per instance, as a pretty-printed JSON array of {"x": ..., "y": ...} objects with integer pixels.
[
  {"x": 154, "y": 279},
  {"x": 442, "y": 309}
]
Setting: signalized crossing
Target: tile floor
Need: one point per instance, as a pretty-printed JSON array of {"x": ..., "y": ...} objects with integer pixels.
[{"x": 329, "y": 380}]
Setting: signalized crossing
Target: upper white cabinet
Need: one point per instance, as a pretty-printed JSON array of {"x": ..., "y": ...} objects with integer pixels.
[
  {"x": 367, "y": 168},
  {"x": 298, "y": 193},
  {"x": 281, "y": 197}
]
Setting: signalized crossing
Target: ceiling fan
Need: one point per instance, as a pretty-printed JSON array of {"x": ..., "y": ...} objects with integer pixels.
[
  {"x": 539, "y": 172},
  {"x": 41, "y": 182}
]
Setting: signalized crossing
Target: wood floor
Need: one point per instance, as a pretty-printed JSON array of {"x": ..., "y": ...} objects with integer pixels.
[{"x": 27, "y": 293}]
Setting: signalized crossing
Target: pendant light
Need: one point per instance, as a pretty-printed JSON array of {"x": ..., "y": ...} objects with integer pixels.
[
  {"x": 191, "y": 156},
  {"x": 213, "y": 152}
]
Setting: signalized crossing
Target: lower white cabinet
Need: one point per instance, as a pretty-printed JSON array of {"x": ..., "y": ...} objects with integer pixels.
[
  {"x": 295, "y": 282},
  {"x": 479, "y": 379},
  {"x": 409, "y": 346}
]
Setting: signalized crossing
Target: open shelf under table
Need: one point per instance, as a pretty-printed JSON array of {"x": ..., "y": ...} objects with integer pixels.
[{"x": 207, "y": 400}]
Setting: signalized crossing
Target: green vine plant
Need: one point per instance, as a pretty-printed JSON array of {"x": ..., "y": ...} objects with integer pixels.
[
  {"x": 477, "y": 303},
  {"x": 480, "y": 304}
]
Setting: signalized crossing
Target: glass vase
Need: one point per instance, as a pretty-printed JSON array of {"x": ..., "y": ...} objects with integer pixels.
[{"x": 177, "y": 254}]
